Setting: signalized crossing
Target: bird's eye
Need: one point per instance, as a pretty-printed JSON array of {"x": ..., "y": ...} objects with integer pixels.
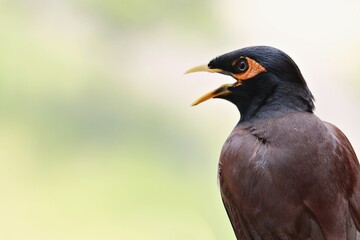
[{"x": 242, "y": 66}]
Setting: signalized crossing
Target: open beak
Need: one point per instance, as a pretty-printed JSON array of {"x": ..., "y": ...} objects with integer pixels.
[{"x": 221, "y": 91}]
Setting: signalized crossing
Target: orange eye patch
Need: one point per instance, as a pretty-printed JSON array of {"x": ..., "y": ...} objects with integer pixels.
[{"x": 254, "y": 69}]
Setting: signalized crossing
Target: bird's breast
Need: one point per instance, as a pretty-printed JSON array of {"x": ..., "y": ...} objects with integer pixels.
[
  {"x": 275, "y": 159},
  {"x": 242, "y": 162}
]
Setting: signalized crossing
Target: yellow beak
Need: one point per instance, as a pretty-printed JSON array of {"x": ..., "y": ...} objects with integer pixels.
[
  {"x": 203, "y": 68},
  {"x": 219, "y": 92}
]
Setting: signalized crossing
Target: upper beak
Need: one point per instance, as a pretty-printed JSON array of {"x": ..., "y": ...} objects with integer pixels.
[
  {"x": 223, "y": 90},
  {"x": 204, "y": 68}
]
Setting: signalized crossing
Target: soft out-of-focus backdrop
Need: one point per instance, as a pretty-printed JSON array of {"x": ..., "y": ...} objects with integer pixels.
[{"x": 98, "y": 139}]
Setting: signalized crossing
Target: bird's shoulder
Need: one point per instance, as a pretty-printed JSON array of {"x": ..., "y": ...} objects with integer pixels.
[
  {"x": 345, "y": 149},
  {"x": 347, "y": 161},
  {"x": 285, "y": 131},
  {"x": 292, "y": 142}
]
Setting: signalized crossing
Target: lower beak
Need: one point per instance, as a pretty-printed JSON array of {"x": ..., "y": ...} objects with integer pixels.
[{"x": 221, "y": 91}]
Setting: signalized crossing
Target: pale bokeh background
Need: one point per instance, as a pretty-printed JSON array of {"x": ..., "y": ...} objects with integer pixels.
[{"x": 98, "y": 139}]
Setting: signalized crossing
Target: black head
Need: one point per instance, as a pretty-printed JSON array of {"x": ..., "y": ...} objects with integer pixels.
[{"x": 267, "y": 82}]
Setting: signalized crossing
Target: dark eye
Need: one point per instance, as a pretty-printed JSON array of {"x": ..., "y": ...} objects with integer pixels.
[{"x": 242, "y": 66}]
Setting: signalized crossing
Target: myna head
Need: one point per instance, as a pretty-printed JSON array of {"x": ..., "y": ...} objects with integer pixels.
[{"x": 267, "y": 81}]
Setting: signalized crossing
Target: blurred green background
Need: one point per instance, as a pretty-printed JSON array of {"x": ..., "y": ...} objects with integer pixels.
[{"x": 98, "y": 139}]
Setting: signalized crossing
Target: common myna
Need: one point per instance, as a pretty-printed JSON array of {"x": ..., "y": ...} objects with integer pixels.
[{"x": 283, "y": 172}]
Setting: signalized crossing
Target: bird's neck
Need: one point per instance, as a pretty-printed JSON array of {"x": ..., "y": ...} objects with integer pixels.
[{"x": 276, "y": 101}]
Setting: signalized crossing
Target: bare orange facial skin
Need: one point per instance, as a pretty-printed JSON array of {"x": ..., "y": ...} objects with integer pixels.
[{"x": 253, "y": 70}]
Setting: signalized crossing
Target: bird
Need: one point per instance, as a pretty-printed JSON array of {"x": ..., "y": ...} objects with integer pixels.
[{"x": 283, "y": 172}]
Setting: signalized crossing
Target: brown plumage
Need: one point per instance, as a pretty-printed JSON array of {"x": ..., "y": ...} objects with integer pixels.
[{"x": 283, "y": 172}]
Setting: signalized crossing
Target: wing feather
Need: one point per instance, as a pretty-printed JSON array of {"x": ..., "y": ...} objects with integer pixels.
[{"x": 347, "y": 154}]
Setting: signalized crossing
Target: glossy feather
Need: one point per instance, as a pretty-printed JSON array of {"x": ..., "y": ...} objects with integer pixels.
[{"x": 291, "y": 177}]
